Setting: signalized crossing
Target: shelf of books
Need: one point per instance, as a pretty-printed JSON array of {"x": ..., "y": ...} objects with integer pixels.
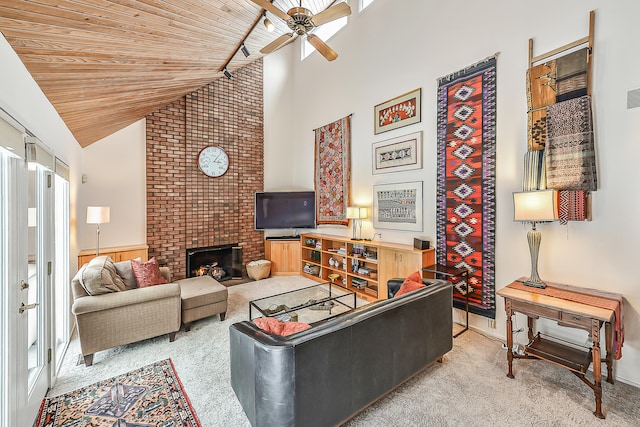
[{"x": 349, "y": 263}]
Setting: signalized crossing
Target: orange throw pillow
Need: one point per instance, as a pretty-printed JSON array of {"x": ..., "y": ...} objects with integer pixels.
[
  {"x": 273, "y": 326},
  {"x": 411, "y": 283},
  {"x": 147, "y": 273}
]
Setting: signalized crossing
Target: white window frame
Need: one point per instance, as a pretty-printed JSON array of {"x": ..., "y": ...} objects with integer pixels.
[{"x": 4, "y": 302}]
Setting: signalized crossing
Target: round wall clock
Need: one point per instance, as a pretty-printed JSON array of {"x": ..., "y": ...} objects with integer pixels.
[{"x": 213, "y": 161}]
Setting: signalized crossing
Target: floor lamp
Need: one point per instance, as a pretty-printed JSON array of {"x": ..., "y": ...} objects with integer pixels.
[
  {"x": 535, "y": 206},
  {"x": 98, "y": 215}
]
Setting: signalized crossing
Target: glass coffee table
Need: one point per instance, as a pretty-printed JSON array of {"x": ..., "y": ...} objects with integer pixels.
[{"x": 308, "y": 305}]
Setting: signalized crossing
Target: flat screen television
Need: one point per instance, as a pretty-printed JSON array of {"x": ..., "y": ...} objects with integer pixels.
[{"x": 285, "y": 209}]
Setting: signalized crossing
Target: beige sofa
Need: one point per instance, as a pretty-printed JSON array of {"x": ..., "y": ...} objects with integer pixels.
[{"x": 111, "y": 310}]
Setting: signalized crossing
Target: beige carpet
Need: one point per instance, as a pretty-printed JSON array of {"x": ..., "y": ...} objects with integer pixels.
[{"x": 470, "y": 388}]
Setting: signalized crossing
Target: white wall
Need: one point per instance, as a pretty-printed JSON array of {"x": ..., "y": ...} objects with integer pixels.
[
  {"x": 21, "y": 97},
  {"x": 394, "y": 47},
  {"x": 115, "y": 170}
]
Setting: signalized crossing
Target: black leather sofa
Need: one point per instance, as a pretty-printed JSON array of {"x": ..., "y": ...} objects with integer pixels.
[{"x": 325, "y": 375}]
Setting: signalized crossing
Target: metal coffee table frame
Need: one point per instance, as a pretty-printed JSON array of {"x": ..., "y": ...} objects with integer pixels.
[{"x": 444, "y": 271}]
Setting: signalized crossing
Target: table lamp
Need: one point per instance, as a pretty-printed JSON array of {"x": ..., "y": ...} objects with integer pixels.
[
  {"x": 98, "y": 215},
  {"x": 356, "y": 214},
  {"x": 533, "y": 207}
]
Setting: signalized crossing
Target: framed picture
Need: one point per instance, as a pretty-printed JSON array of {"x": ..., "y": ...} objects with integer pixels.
[
  {"x": 398, "y": 154},
  {"x": 398, "y": 206},
  {"x": 397, "y": 112}
]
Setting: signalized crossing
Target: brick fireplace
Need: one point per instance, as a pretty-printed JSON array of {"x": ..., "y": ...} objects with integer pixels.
[{"x": 185, "y": 208}]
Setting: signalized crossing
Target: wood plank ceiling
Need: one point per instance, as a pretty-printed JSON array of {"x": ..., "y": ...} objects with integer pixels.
[{"x": 105, "y": 64}]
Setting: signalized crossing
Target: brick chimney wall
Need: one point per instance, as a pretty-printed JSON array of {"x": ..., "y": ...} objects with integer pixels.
[{"x": 187, "y": 209}]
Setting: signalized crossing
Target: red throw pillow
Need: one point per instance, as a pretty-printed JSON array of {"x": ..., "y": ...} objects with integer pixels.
[
  {"x": 411, "y": 283},
  {"x": 273, "y": 326},
  {"x": 147, "y": 273},
  {"x": 268, "y": 325},
  {"x": 290, "y": 328}
]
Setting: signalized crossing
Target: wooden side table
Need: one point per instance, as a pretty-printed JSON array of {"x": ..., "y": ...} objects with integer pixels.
[
  {"x": 585, "y": 315},
  {"x": 445, "y": 272}
]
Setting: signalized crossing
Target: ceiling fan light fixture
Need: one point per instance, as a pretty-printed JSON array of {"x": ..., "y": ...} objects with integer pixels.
[
  {"x": 244, "y": 50},
  {"x": 267, "y": 23},
  {"x": 302, "y": 22},
  {"x": 227, "y": 73}
]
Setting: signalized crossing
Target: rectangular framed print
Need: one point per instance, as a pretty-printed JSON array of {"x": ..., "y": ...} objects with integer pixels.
[
  {"x": 398, "y": 154},
  {"x": 398, "y": 206},
  {"x": 400, "y": 111}
]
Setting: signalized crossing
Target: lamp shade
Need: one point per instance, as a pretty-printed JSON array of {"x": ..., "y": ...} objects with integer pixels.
[
  {"x": 267, "y": 23},
  {"x": 356, "y": 212},
  {"x": 535, "y": 206},
  {"x": 98, "y": 214}
]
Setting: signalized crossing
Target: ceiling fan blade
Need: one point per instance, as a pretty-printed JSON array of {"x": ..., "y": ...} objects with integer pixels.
[
  {"x": 271, "y": 8},
  {"x": 278, "y": 43},
  {"x": 322, "y": 47},
  {"x": 332, "y": 13}
]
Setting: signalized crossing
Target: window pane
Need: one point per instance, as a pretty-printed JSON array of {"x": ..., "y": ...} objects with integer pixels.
[
  {"x": 325, "y": 32},
  {"x": 365, "y": 3},
  {"x": 34, "y": 267},
  {"x": 61, "y": 278}
]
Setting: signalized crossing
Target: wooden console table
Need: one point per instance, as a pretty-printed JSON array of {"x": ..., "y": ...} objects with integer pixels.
[
  {"x": 567, "y": 312},
  {"x": 117, "y": 253}
]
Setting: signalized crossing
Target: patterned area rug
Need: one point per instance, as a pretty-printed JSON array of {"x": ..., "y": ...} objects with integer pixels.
[
  {"x": 148, "y": 396},
  {"x": 465, "y": 217}
]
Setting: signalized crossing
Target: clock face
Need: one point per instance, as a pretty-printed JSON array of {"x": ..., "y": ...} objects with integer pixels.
[{"x": 213, "y": 161}]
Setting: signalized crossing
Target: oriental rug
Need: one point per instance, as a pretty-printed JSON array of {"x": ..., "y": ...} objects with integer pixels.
[
  {"x": 333, "y": 172},
  {"x": 465, "y": 200},
  {"x": 148, "y": 396}
]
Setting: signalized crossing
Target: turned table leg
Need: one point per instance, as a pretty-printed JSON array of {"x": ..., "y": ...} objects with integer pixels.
[
  {"x": 608, "y": 336},
  {"x": 509, "y": 338},
  {"x": 597, "y": 367}
]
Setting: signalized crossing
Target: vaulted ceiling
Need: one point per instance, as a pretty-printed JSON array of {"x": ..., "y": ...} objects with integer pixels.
[{"x": 105, "y": 64}]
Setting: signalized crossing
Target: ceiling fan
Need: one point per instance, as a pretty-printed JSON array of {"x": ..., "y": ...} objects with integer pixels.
[{"x": 302, "y": 22}]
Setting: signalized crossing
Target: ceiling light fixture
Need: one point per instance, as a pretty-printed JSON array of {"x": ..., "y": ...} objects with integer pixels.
[
  {"x": 267, "y": 23},
  {"x": 244, "y": 50},
  {"x": 241, "y": 46}
]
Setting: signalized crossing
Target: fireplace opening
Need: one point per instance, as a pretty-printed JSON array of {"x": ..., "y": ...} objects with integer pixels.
[{"x": 222, "y": 262}]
